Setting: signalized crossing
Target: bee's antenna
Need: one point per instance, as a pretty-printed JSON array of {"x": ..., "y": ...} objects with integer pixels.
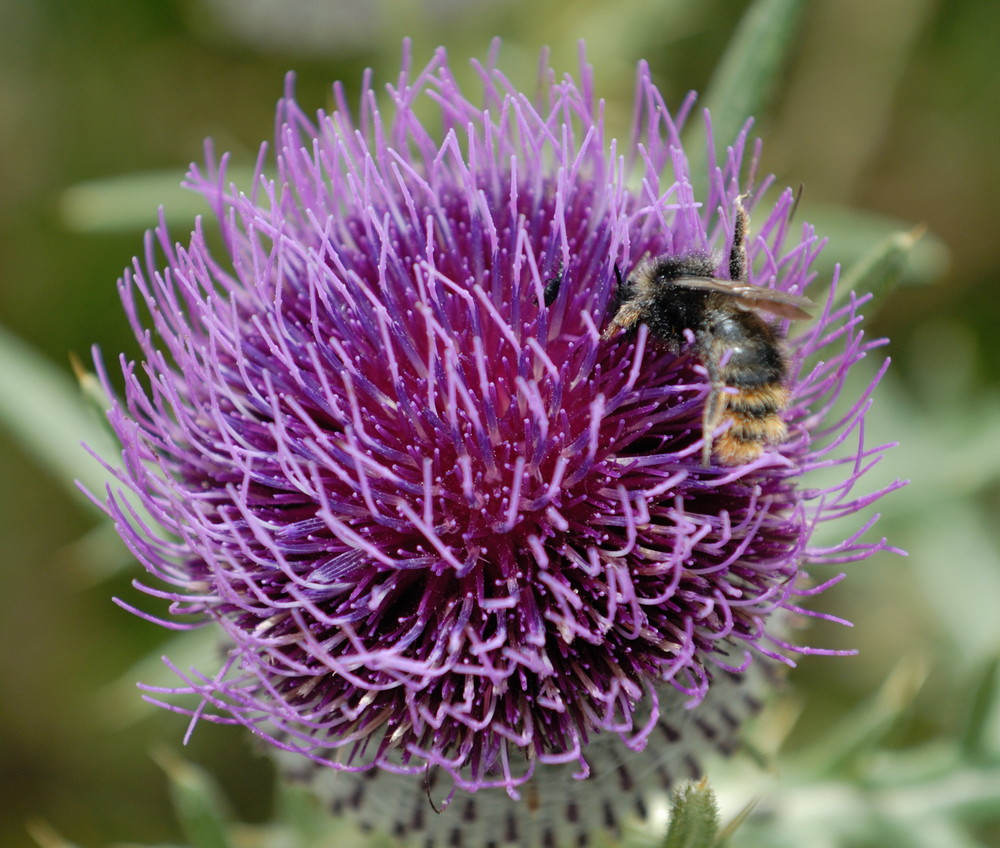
[{"x": 795, "y": 202}]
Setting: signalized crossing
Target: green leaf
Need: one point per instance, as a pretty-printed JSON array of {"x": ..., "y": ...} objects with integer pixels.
[
  {"x": 120, "y": 705},
  {"x": 129, "y": 201},
  {"x": 734, "y": 825},
  {"x": 202, "y": 811},
  {"x": 52, "y": 417},
  {"x": 867, "y": 725},
  {"x": 744, "y": 77},
  {"x": 48, "y": 415},
  {"x": 694, "y": 817},
  {"x": 99, "y": 553},
  {"x": 297, "y": 809},
  {"x": 43, "y": 833},
  {"x": 876, "y": 252},
  {"x": 974, "y": 743},
  {"x": 879, "y": 271}
]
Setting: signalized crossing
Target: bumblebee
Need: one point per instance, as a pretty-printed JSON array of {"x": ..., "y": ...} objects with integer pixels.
[{"x": 741, "y": 351}]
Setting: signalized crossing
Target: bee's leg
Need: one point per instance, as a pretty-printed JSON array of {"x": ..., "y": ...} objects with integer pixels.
[
  {"x": 738, "y": 271},
  {"x": 625, "y": 319},
  {"x": 716, "y": 402},
  {"x": 711, "y": 417},
  {"x": 625, "y": 313}
]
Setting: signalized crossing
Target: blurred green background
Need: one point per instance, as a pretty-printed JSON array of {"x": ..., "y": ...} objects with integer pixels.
[{"x": 889, "y": 107}]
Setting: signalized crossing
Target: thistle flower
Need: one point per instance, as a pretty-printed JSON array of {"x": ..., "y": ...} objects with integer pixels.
[{"x": 459, "y": 547}]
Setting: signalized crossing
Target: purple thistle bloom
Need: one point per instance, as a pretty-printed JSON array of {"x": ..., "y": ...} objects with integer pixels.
[{"x": 455, "y": 541}]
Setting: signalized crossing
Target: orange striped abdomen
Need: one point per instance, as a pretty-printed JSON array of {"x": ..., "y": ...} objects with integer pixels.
[{"x": 756, "y": 416}]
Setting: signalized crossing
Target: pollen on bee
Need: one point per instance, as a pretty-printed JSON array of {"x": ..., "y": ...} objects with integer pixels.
[
  {"x": 733, "y": 451},
  {"x": 758, "y": 401},
  {"x": 753, "y": 416}
]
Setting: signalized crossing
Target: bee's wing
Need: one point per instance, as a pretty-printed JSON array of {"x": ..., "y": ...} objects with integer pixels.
[{"x": 781, "y": 303}]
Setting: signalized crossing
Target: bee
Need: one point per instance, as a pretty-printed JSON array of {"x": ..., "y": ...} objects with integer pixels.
[{"x": 741, "y": 351}]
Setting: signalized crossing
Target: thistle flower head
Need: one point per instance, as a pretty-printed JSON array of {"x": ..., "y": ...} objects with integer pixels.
[{"x": 447, "y": 531}]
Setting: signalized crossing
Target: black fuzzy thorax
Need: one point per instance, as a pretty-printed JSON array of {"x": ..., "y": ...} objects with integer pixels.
[
  {"x": 669, "y": 309},
  {"x": 726, "y": 333}
]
